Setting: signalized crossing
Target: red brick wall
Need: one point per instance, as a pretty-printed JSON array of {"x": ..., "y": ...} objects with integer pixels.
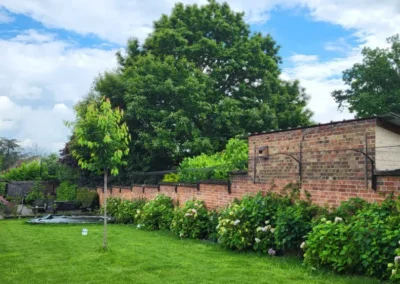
[
  {"x": 331, "y": 172},
  {"x": 323, "y": 192}
]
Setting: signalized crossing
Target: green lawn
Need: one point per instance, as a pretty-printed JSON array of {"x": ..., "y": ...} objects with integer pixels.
[{"x": 60, "y": 254}]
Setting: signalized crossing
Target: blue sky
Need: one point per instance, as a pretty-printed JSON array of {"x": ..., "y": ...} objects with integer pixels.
[{"x": 52, "y": 50}]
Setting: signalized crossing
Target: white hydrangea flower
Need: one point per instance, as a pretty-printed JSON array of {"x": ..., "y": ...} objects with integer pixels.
[
  {"x": 257, "y": 240},
  {"x": 194, "y": 210},
  {"x": 303, "y": 245},
  {"x": 237, "y": 221},
  {"x": 272, "y": 230},
  {"x": 267, "y": 222},
  {"x": 338, "y": 219}
]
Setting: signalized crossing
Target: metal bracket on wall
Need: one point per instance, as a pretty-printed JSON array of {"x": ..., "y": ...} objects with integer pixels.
[
  {"x": 198, "y": 186},
  {"x": 143, "y": 187},
  {"x": 176, "y": 188},
  {"x": 229, "y": 186},
  {"x": 158, "y": 188},
  {"x": 298, "y": 161},
  {"x": 373, "y": 176}
]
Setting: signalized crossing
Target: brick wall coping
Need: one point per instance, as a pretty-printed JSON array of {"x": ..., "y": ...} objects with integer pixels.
[
  {"x": 312, "y": 126},
  {"x": 388, "y": 173}
]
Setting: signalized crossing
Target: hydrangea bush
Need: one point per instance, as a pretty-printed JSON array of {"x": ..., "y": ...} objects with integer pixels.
[
  {"x": 293, "y": 223},
  {"x": 156, "y": 214},
  {"x": 364, "y": 244},
  {"x": 124, "y": 211},
  {"x": 249, "y": 223},
  {"x": 191, "y": 220}
]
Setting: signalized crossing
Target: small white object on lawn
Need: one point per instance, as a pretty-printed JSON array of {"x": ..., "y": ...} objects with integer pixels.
[{"x": 84, "y": 232}]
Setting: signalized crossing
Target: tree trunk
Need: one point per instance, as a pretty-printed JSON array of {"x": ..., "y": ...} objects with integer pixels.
[{"x": 105, "y": 209}]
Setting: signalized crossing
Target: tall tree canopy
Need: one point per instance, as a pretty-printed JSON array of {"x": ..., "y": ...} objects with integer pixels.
[
  {"x": 199, "y": 79},
  {"x": 10, "y": 152},
  {"x": 374, "y": 84}
]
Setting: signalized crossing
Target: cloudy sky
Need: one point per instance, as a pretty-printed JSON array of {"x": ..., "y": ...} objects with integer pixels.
[{"x": 51, "y": 50}]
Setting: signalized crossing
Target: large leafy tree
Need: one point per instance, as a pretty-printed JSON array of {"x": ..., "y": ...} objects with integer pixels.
[
  {"x": 374, "y": 84},
  {"x": 103, "y": 141},
  {"x": 10, "y": 152},
  {"x": 199, "y": 79}
]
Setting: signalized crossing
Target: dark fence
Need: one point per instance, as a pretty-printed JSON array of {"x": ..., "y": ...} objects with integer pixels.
[{"x": 22, "y": 188}]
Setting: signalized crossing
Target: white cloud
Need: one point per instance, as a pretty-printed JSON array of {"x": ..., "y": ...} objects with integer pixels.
[
  {"x": 36, "y": 66},
  {"x": 41, "y": 126},
  {"x": 5, "y": 17},
  {"x": 33, "y": 36},
  {"x": 302, "y": 58},
  {"x": 40, "y": 79}
]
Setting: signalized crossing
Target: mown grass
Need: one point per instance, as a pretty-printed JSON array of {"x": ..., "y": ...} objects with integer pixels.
[{"x": 60, "y": 254}]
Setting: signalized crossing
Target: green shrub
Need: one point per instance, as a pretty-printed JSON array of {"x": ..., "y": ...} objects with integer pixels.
[
  {"x": 156, "y": 214},
  {"x": 127, "y": 211},
  {"x": 37, "y": 193},
  {"x": 216, "y": 166},
  {"x": 350, "y": 207},
  {"x": 171, "y": 178},
  {"x": 250, "y": 223},
  {"x": 66, "y": 192},
  {"x": 293, "y": 224},
  {"x": 212, "y": 233},
  {"x": 113, "y": 203},
  {"x": 26, "y": 171},
  {"x": 364, "y": 244},
  {"x": 191, "y": 221},
  {"x": 2, "y": 188},
  {"x": 394, "y": 267},
  {"x": 87, "y": 198},
  {"x": 328, "y": 244}
]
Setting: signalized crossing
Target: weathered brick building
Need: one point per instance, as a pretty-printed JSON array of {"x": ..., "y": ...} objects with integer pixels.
[{"x": 333, "y": 162}]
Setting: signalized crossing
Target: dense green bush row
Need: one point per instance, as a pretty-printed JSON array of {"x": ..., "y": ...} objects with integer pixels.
[
  {"x": 364, "y": 242},
  {"x": 355, "y": 238},
  {"x": 216, "y": 166}
]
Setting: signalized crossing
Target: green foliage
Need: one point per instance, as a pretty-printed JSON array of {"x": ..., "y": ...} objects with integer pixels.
[
  {"x": 42, "y": 168},
  {"x": 124, "y": 211},
  {"x": 363, "y": 244},
  {"x": 250, "y": 223},
  {"x": 394, "y": 267},
  {"x": 26, "y": 171},
  {"x": 350, "y": 207},
  {"x": 2, "y": 188},
  {"x": 171, "y": 178},
  {"x": 87, "y": 198},
  {"x": 156, "y": 214},
  {"x": 293, "y": 224},
  {"x": 216, "y": 166},
  {"x": 113, "y": 203},
  {"x": 66, "y": 191},
  {"x": 10, "y": 153},
  {"x": 212, "y": 232},
  {"x": 201, "y": 77},
  {"x": 37, "y": 193},
  {"x": 102, "y": 136},
  {"x": 374, "y": 84},
  {"x": 191, "y": 221}
]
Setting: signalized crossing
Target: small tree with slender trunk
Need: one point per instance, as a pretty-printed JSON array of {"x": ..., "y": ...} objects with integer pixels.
[{"x": 102, "y": 139}]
